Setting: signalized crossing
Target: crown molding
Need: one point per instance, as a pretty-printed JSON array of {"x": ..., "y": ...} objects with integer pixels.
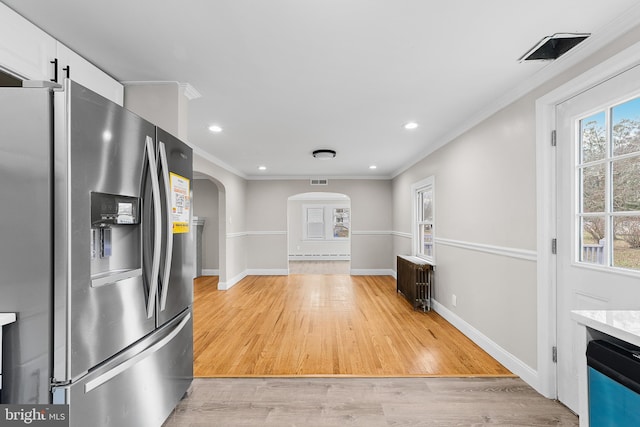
[{"x": 212, "y": 159}]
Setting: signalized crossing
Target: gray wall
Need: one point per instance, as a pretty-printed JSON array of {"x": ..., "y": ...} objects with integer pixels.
[
  {"x": 161, "y": 103},
  {"x": 205, "y": 206}
]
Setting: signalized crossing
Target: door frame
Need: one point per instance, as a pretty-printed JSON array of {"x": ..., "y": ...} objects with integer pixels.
[{"x": 547, "y": 209}]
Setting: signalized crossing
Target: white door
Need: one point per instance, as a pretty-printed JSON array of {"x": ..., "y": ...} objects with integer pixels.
[{"x": 598, "y": 242}]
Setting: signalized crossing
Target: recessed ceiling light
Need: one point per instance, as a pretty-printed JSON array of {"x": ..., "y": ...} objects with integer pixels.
[
  {"x": 262, "y": 168},
  {"x": 373, "y": 167},
  {"x": 410, "y": 125},
  {"x": 215, "y": 128}
]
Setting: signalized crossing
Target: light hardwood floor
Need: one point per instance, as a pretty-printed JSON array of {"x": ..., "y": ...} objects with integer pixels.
[{"x": 324, "y": 325}]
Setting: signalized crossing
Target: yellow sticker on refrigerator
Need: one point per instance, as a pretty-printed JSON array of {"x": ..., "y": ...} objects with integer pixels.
[{"x": 180, "y": 203}]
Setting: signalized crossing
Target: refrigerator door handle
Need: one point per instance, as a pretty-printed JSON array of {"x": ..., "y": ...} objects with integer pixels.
[
  {"x": 98, "y": 381},
  {"x": 164, "y": 165},
  {"x": 157, "y": 234}
]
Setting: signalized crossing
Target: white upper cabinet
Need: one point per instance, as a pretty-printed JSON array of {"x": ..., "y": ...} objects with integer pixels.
[
  {"x": 29, "y": 53},
  {"x": 78, "y": 69},
  {"x": 25, "y": 50}
]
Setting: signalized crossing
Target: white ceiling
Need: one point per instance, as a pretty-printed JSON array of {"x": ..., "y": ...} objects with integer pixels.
[{"x": 285, "y": 77}]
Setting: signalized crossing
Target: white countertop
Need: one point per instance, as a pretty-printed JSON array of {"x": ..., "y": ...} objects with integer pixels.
[
  {"x": 621, "y": 324},
  {"x": 6, "y": 318}
]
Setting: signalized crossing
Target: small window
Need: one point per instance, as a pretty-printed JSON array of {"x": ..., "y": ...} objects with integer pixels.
[{"x": 424, "y": 219}]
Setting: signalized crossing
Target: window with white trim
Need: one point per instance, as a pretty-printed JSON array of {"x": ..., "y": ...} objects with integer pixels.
[
  {"x": 608, "y": 187},
  {"x": 423, "y": 196}
]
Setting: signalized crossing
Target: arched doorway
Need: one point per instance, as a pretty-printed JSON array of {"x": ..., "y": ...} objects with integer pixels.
[
  {"x": 209, "y": 204},
  {"x": 319, "y": 233}
]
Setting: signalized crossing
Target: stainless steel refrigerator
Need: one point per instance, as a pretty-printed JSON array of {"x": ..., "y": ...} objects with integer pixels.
[{"x": 95, "y": 257}]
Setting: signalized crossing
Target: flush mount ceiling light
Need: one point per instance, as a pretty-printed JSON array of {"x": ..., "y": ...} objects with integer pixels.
[
  {"x": 373, "y": 167},
  {"x": 324, "y": 154},
  {"x": 262, "y": 168},
  {"x": 215, "y": 128},
  {"x": 410, "y": 125},
  {"x": 552, "y": 47}
]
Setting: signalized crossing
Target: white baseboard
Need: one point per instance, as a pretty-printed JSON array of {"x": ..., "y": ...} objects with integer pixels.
[
  {"x": 267, "y": 272},
  {"x": 225, "y": 286},
  {"x": 515, "y": 365},
  {"x": 372, "y": 272},
  {"x": 284, "y": 272},
  {"x": 210, "y": 272}
]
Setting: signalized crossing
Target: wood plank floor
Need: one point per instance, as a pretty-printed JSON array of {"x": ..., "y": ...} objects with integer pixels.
[
  {"x": 325, "y": 325},
  {"x": 366, "y": 402}
]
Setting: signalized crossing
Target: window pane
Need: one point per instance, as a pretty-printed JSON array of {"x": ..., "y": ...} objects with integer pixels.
[
  {"x": 593, "y": 138},
  {"x": 340, "y": 231},
  {"x": 626, "y": 247},
  {"x": 341, "y": 223},
  {"x": 315, "y": 215},
  {"x": 426, "y": 237},
  {"x": 626, "y": 184},
  {"x": 427, "y": 206},
  {"x": 626, "y": 127},
  {"x": 592, "y": 240},
  {"x": 315, "y": 230},
  {"x": 593, "y": 188}
]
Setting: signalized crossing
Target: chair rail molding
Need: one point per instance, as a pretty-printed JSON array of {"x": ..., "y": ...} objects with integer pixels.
[{"x": 525, "y": 254}]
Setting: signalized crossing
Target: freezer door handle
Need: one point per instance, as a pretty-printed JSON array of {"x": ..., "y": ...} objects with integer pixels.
[
  {"x": 164, "y": 165},
  {"x": 157, "y": 235},
  {"x": 98, "y": 381}
]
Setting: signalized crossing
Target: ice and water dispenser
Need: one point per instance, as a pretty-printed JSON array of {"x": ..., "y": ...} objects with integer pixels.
[
  {"x": 614, "y": 384},
  {"x": 115, "y": 238}
]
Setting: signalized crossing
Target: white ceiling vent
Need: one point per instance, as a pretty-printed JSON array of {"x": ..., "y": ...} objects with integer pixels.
[
  {"x": 552, "y": 47},
  {"x": 319, "y": 181}
]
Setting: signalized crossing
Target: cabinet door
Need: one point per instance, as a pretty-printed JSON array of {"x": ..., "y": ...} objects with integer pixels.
[
  {"x": 25, "y": 50},
  {"x": 88, "y": 75}
]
